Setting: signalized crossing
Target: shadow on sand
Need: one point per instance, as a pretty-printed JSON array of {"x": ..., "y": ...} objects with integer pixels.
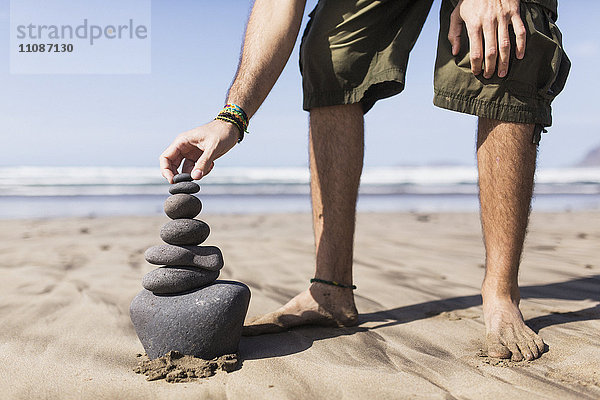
[{"x": 300, "y": 339}]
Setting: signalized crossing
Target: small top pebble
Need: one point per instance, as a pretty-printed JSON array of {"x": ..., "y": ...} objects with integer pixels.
[
  {"x": 184, "y": 187},
  {"x": 183, "y": 177}
]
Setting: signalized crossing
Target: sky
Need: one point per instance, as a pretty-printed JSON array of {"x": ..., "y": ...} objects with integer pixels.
[{"x": 128, "y": 119}]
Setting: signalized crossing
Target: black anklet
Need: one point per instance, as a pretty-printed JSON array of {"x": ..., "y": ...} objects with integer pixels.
[{"x": 332, "y": 283}]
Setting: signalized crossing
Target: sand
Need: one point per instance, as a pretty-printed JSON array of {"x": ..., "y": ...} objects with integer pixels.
[
  {"x": 176, "y": 367},
  {"x": 66, "y": 285}
]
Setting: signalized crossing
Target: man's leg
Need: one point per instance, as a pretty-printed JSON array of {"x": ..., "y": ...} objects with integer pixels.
[
  {"x": 506, "y": 160},
  {"x": 336, "y": 159}
]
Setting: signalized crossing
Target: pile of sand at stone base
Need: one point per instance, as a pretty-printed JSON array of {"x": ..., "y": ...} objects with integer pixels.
[{"x": 176, "y": 367}]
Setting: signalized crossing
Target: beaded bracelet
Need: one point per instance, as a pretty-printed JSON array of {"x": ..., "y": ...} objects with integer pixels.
[
  {"x": 234, "y": 114},
  {"x": 333, "y": 283}
]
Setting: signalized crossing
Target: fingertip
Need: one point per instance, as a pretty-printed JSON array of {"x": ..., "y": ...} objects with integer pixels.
[
  {"x": 168, "y": 175},
  {"x": 197, "y": 174}
]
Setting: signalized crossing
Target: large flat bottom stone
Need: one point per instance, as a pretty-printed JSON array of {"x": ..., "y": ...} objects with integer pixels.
[{"x": 204, "y": 323}]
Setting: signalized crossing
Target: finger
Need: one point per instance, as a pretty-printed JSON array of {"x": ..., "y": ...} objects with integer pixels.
[
  {"x": 169, "y": 161},
  {"x": 455, "y": 31},
  {"x": 212, "y": 165},
  {"x": 476, "y": 48},
  {"x": 520, "y": 35},
  {"x": 165, "y": 169},
  {"x": 504, "y": 48},
  {"x": 491, "y": 49},
  {"x": 203, "y": 165},
  {"x": 188, "y": 165}
]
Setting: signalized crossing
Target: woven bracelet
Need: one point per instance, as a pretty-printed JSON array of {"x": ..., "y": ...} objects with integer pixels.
[
  {"x": 234, "y": 114},
  {"x": 237, "y": 109}
]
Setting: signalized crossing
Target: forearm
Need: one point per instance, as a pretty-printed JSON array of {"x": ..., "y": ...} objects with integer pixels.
[{"x": 270, "y": 36}]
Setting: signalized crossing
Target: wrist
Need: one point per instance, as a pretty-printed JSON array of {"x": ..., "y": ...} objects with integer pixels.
[
  {"x": 228, "y": 129},
  {"x": 236, "y": 116},
  {"x": 247, "y": 108}
]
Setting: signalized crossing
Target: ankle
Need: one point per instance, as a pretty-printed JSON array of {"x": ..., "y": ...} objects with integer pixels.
[
  {"x": 325, "y": 290},
  {"x": 333, "y": 283},
  {"x": 500, "y": 291},
  {"x": 332, "y": 298}
]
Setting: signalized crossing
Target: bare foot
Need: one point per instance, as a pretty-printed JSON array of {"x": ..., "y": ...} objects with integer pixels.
[
  {"x": 507, "y": 336},
  {"x": 321, "y": 304}
]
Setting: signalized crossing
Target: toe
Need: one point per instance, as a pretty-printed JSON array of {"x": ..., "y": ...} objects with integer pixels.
[
  {"x": 539, "y": 343},
  {"x": 251, "y": 320},
  {"x": 525, "y": 351},
  {"x": 516, "y": 354},
  {"x": 533, "y": 348},
  {"x": 495, "y": 348},
  {"x": 498, "y": 350},
  {"x": 268, "y": 323},
  {"x": 261, "y": 329}
]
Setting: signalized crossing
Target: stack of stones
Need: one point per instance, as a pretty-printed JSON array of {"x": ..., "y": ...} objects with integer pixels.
[{"x": 183, "y": 306}]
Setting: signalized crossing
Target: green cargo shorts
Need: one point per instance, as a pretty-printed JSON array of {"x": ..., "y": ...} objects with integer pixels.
[{"x": 356, "y": 51}]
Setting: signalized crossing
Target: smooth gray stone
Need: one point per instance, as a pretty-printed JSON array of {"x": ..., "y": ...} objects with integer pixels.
[
  {"x": 177, "y": 279},
  {"x": 184, "y": 187},
  {"x": 182, "y": 205},
  {"x": 183, "y": 177},
  {"x": 208, "y": 257},
  {"x": 205, "y": 323},
  {"x": 184, "y": 231}
]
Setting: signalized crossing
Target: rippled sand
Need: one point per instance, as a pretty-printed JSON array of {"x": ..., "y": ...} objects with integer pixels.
[{"x": 66, "y": 284}]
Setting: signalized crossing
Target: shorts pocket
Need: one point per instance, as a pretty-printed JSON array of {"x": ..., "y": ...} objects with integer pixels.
[
  {"x": 562, "y": 66},
  {"x": 543, "y": 72}
]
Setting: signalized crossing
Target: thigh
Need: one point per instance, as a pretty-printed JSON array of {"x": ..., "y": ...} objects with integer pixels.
[
  {"x": 526, "y": 93},
  {"x": 357, "y": 50}
]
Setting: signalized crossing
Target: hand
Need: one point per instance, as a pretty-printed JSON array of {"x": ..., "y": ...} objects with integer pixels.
[
  {"x": 198, "y": 149},
  {"x": 490, "y": 18}
]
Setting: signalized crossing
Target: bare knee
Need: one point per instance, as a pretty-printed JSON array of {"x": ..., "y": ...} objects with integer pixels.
[
  {"x": 345, "y": 113},
  {"x": 495, "y": 123},
  {"x": 495, "y": 130}
]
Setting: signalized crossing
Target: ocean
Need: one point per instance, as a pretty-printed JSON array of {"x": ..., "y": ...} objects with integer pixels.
[{"x": 48, "y": 192}]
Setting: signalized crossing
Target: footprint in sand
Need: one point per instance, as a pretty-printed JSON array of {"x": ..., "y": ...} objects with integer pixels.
[{"x": 73, "y": 261}]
